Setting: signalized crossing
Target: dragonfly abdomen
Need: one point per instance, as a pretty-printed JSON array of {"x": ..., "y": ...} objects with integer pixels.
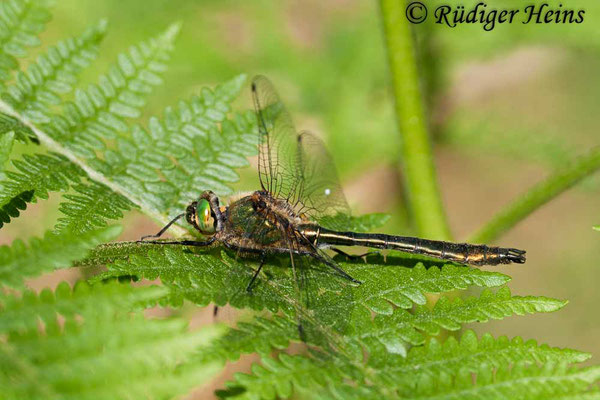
[{"x": 458, "y": 252}]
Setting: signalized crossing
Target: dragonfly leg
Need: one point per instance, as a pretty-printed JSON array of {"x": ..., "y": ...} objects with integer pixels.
[
  {"x": 301, "y": 333},
  {"x": 163, "y": 230},
  {"x": 215, "y": 311},
  {"x": 340, "y": 271},
  {"x": 249, "y": 287},
  {"x": 195, "y": 243},
  {"x": 352, "y": 256}
]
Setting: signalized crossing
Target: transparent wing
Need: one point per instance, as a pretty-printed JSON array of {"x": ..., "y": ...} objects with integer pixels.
[
  {"x": 294, "y": 166},
  {"x": 318, "y": 192},
  {"x": 276, "y": 141}
]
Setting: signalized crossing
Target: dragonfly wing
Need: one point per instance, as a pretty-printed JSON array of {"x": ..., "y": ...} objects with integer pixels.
[
  {"x": 319, "y": 193},
  {"x": 322, "y": 311},
  {"x": 293, "y": 166},
  {"x": 276, "y": 139}
]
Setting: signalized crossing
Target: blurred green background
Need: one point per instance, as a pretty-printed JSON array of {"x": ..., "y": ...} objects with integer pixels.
[{"x": 506, "y": 107}]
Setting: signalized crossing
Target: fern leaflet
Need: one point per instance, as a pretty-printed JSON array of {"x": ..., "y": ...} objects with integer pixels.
[
  {"x": 6, "y": 144},
  {"x": 21, "y": 131},
  {"x": 53, "y": 74},
  {"x": 20, "y": 23},
  {"x": 390, "y": 333},
  {"x": 99, "y": 113},
  {"x": 90, "y": 207},
  {"x": 103, "y": 353},
  {"x": 435, "y": 359},
  {"x": 521, "y": 381},
  {"x": 53, "y": 251},
  {"x": 441, "y": 368},
  {"x": 35, "y": 176},
  {"x": 24, "y": 312}
]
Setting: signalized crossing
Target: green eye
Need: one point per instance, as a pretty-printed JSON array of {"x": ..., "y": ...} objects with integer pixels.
[{"x": 204, "y": 218}]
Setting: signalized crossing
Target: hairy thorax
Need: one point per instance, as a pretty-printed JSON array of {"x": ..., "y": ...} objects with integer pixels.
[{"x": 260, "y": 221}]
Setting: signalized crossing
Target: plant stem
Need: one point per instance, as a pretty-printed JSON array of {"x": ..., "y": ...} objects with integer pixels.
[
  {"x": 537, "y": 196},
  {"x": 419, "y": 172}
]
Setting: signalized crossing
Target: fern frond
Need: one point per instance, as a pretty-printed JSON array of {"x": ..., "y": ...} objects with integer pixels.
[
  {"x": 261, "y": 336},
  {"x": 35, "y": 176},
  {"x": 204, "y": 278},
  {"x": 93, "y": 204},
  {"x": 387, "y": 285},
  {"x": 521, "y": 381},
  {"x": 201, "y": 279},
  {"x": 279, "y": 378},
  {"x": 203, "y": 145},
  {"x": 20, "y": 23},
  {"x": 6, "y": 144},
  {"x": 20, "y": 261},
  {"x": 21, "y": 131},
  {"x": 436, "y": 359},
  {"x": 53, "y": 74},
  {"x": 24, "y": 311},
  {"x": 286, "y": 375},
  {"x": 104, "y": 354},
  {"x": 192, "y": 147},
  {"x": 99, "y": 113},
  {"x": 390, "y": 333}
]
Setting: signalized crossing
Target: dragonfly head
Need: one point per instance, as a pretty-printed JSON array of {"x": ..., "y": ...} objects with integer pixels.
[{"x": 205, "y": 214}]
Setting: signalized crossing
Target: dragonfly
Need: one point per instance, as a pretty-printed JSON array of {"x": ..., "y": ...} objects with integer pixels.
[{"x": 292, "y": 212}]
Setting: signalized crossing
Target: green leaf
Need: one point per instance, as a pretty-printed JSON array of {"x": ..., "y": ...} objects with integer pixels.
[
  {"x": 388, "y": 285},
  {"x": 20, "y": 261},
  {"x": 20, "y": 23},
  {"x": 99, "y": 113},
  {"x": 103, "y": 352},
  {"x": 203, "y": 278},
  {"x": 261, "y": 336},
  {"x": 435, "y": 359},
  {"x": 90, "y": 208},
  {"x": 24, "y": 312},
  {"x": 193, "y": 146},
  {"x": 391, "y": 333},
  {"x": 21, "y": 131},
  {"x": 425, "y": 370},
  {"x": 6, "y": 143},
  {"x": 53, "y": 74},
  {"x": 279, "y": 378},
  {"x": 35, "y": 176},
  {"x": 518, "y": 382}
]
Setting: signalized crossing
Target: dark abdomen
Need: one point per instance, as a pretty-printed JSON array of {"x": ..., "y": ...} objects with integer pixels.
[{"x": 458, "y": 252}]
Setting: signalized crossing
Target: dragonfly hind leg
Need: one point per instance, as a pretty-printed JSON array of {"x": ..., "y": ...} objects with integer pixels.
[
  {"x": 336, "y": 268},
  {"x": 249, "y": 287}
]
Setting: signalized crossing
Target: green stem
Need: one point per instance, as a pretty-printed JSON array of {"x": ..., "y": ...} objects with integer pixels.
[
  {"x": 537, "y": 196},
  {"x": 419, "y": 172}
]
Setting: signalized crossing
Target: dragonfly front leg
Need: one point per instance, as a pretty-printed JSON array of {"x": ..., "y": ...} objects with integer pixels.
[
  {"x": 196, "y": 243},
  {"x": 163, "y": 230}
]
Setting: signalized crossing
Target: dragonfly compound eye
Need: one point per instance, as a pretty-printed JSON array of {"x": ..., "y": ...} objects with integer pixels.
[{"x": 205, "y": 220}]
